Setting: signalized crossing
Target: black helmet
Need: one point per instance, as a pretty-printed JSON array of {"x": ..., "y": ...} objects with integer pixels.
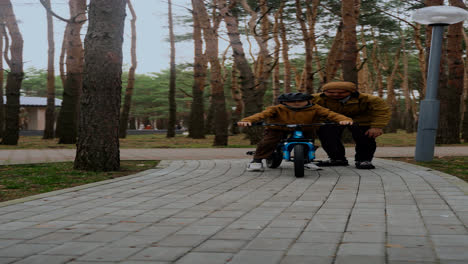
[{"x": 291, "y": 97}]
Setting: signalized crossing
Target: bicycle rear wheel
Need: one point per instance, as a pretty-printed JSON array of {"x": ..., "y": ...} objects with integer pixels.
[{"x": 274, "y": 160}]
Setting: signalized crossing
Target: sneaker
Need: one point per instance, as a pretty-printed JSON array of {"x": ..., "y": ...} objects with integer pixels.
[
  {"x": 364, "y": 165},
  {"x": 255, "y": 166},
  {"x": 312, "y": 166},
  {"x": 332, "y": 162}
]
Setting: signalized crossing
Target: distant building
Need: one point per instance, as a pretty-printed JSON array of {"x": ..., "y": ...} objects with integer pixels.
[{"x": 32, "y": 112}]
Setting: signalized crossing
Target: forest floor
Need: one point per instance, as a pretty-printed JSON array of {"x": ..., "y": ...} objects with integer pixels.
[{"x": 399, "y": 139}]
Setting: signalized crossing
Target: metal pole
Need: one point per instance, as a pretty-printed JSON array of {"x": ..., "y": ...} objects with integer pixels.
[{"x": 429, "y": 108}]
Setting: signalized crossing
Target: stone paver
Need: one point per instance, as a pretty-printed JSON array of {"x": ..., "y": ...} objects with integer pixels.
[{"x": 213, "y": 211}]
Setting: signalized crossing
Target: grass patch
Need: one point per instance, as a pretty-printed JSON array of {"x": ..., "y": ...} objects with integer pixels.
[
  {"x": 18, "y": 181},
  {"x": 456, "y": 166},
  {"x": 399, "y": 139}
]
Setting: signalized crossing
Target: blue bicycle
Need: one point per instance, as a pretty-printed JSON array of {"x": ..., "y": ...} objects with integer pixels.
[{"x": 301, "y": 148}]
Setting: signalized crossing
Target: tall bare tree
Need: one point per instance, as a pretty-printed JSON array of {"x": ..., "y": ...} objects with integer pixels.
[
  {"x": 348, "y": 12},
  {"x": 197, "y": 112},
  {"x": 246, "y": 74},
  {"x": 335, "y": 55},
  {"x": 2, "y": 110},
  {"x": 67, "y": 122},
  {"x": 216, "y": 78},
  {"x": 284, "y": 50},
  {"x": 131, "y": 76},
  {"x": 172, "y": 78},
  {"x": 14, "y": 76},
  {"x": 50, "y": 109},
  {"x": 450, "y": 96},
  {"x": 98, "y": 141},
  {"x": 307, "y": 24}
]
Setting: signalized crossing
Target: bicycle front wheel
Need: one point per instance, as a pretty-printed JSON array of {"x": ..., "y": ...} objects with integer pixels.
[{"x": 299, "y": 160}]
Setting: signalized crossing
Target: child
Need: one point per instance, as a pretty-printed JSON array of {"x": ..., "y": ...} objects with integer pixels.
[{"x": 293, "y": 108}]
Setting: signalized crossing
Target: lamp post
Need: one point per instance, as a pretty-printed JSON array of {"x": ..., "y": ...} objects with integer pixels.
[{"x": 438, "y": 17}]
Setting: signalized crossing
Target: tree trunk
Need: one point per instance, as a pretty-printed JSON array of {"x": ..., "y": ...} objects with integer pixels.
[
  {"x": 197, "y": 113},
  {"x": 465, "y": 98},
  {"x": 335, "y": 54},
  {"x": 377, "y": 83},
  {"x": 216, "y": 80},
  {"x": 409, "y": 123},
  {"x": 123, "y": 125},
  {"x": 391, "y": 99},
  {"x": 276, "y": 70},
  {"x": 172, "y": 78},
  {"x": 98, "y": 142},
  {"x": 363, "y": 74},
  {"x": 246, "y": 75},
  {"x": 69, "y": 112},
  {"x": 308, "y": 75},
  {"x": 2, "y": 110},
  {"x": 285, "y": 51},
  {"x": 50, "y": 109},
  {"x": 449, "y": 129},
  {"x": 348, "y": 12},
  {"x": 237, "y": 97},
  {"x": 14, "y": 76}
]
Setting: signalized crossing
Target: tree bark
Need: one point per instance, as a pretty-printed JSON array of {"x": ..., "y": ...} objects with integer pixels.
[
  {"x": 465, "y": 98},
  {"x": 98, "y": 142},
  {"x": 216, "y": 80},
  {"x": 391, "y": 99},
  {"x": 307, "y": 73},
  {"x": 14, "y": 76},
  {"x": 172, "y": 78},
  {"x": 2, "y": 110},
  {"x": 237, "y": 97},
  {"x": 123, "y": 125},
  {"x": 408, "y": 114},
  {"x": 50, "y": 109},
  {"x": 348, "y": 12},
  {"x": 285, "y": 51},
  {"x": 197, "y": 113},
  {"x": 363, "y": 74},
  {"x": 246, "y": 75},
  {"x": 69, "y": 112},
  {"x": 450, "y": 97},
  {"x": 276, "y": 70},
  {"x": 335, "y": 55}
]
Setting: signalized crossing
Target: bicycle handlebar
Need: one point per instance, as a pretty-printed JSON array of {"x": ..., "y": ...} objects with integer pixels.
[{"x": 295, "y": 125}]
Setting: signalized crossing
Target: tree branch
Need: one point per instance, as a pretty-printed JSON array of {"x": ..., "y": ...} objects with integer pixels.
[
  {"x": 7, "y": 45},
  {"x": 71, "y": 20}
]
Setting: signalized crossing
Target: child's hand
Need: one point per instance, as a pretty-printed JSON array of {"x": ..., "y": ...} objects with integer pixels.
[
  {"x": 244, "y": 124},
  {"x": 344, "y": 123}
]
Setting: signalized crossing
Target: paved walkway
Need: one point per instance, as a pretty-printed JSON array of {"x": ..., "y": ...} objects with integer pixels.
[
  {"x": 212, "y": 211},
  {"x": 22, "y": 156}
]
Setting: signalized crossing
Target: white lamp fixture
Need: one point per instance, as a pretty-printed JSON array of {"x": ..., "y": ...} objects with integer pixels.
[{"x": 440, "y": 15}]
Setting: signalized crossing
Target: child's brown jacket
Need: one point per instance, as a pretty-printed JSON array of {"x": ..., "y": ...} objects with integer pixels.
[{"x": 281, "y": 114}]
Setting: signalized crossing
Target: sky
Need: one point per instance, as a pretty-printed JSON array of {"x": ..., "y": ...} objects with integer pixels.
[{"x": 151, "y": 26}]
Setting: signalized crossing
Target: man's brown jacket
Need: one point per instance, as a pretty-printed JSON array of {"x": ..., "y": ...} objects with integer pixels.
[{"x": 364, "y": 109}]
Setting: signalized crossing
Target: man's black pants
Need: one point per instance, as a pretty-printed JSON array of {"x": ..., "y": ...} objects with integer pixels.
[{"x": 330, "y": 137}]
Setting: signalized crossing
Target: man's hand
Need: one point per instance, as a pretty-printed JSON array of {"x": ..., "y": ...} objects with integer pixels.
[
  {"x": 241, "y": 124},
  {"x": 374, "y": 132},
  {"x": 344, "y": 123}
]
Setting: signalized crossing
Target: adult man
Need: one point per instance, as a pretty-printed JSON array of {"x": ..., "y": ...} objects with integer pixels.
[{"x": 371, "y": 113}]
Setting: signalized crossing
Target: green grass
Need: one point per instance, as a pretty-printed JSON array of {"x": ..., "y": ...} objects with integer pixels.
[
  {"x": 19, "y": 181},
  {"x": 457, "y": 166},
  {"x": 180, "y": 141}
]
